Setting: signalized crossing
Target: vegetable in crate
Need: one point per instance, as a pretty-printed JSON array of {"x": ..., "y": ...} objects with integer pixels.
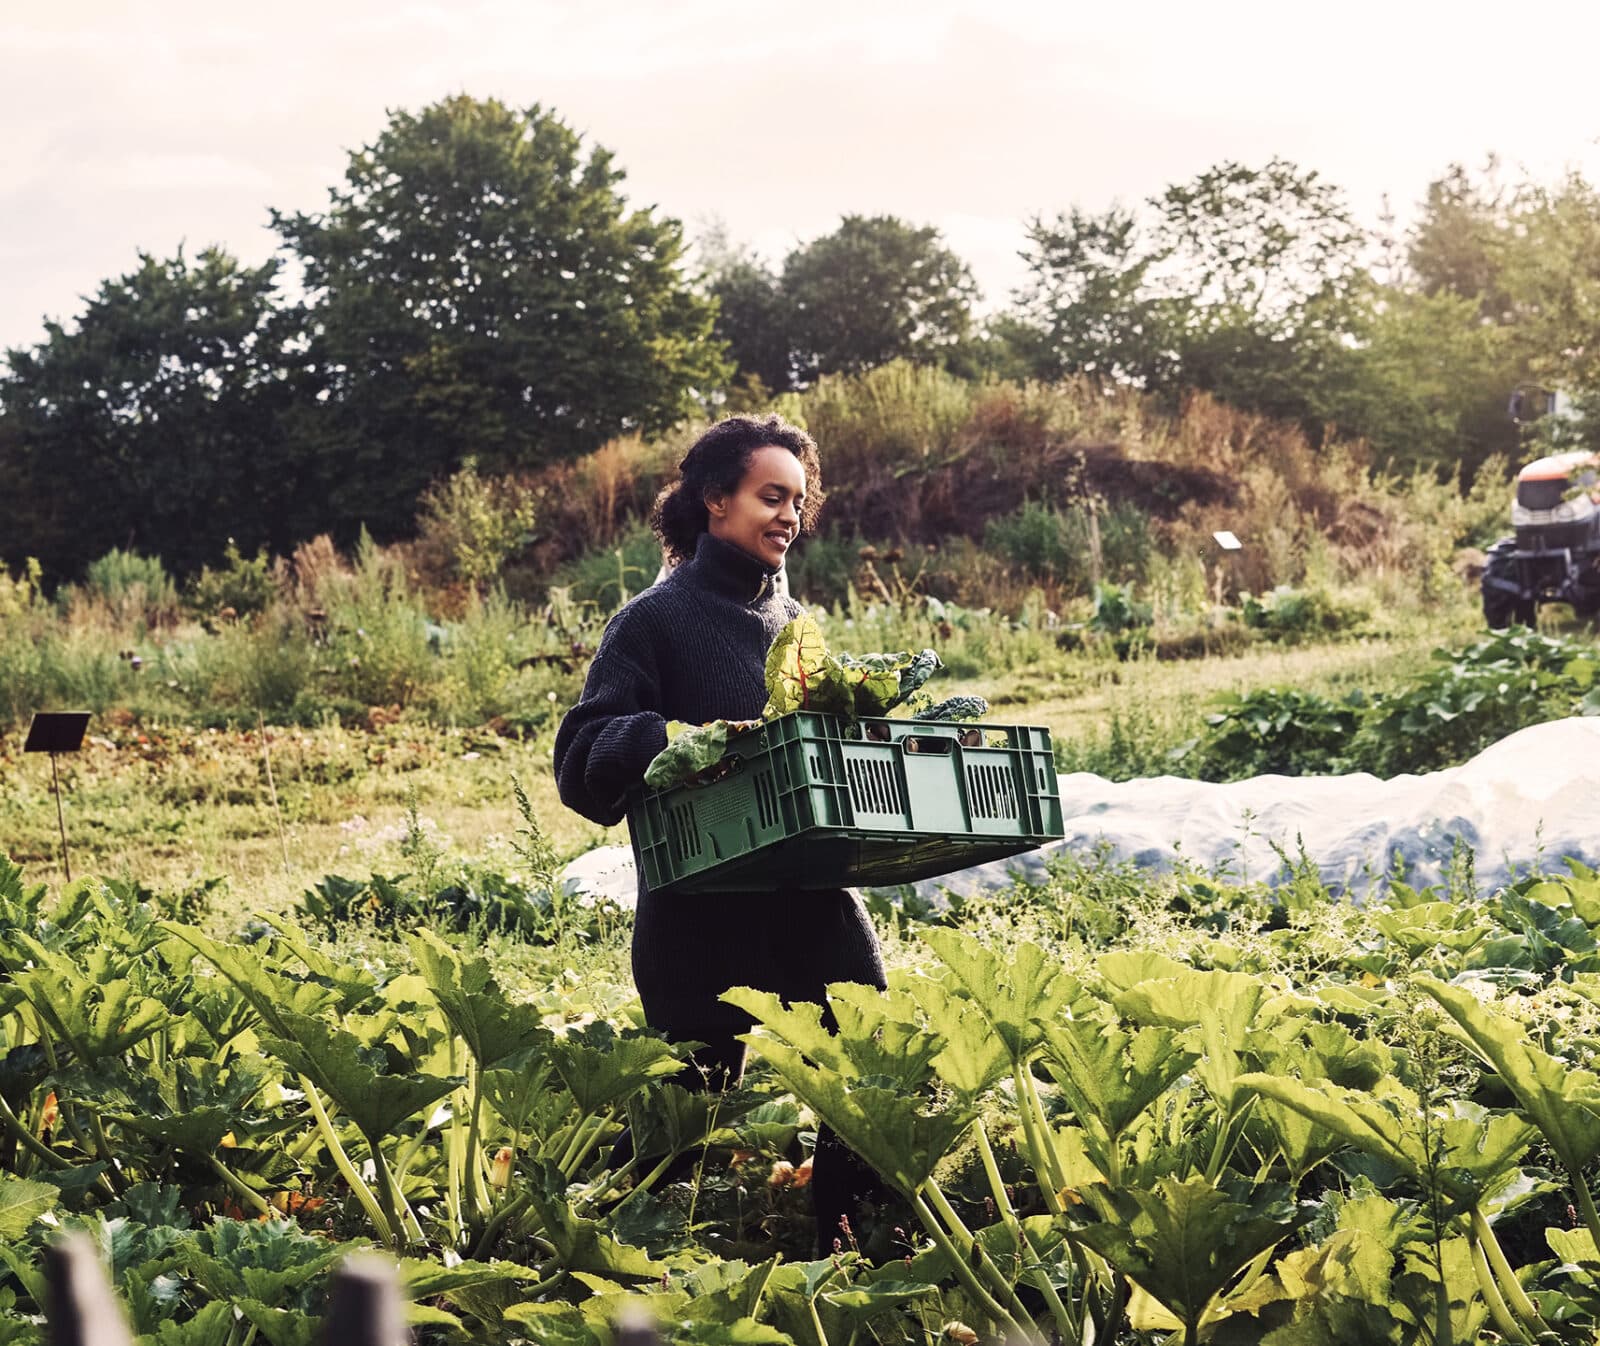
[
  {"x": 955, "y": 708},
  {"x": 802, "y": 674},
  {"x": 691, "y": 751}
]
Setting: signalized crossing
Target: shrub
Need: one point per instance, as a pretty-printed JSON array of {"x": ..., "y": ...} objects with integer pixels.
[
  {"x": 469, "y": 526},
  {"x": 1274, "y": 730},
  {"x": 610, "y": 577},
  {"x": 239, "y": 589},
  {"x": 127, "y": 590},
  {"x": 1292, "y": 615},
  {"x": 1477, "y": 696}
]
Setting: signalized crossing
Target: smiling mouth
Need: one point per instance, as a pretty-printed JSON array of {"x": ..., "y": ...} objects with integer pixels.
[{"x": 782, "y": 539}]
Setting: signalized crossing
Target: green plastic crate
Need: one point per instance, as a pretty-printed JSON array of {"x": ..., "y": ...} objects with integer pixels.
[{"x": 814, "y": 801}]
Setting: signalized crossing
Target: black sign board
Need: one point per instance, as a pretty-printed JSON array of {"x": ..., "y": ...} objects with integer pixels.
[{"x": 57, "y": 731}]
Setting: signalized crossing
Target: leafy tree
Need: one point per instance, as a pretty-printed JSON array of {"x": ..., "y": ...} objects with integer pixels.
[
  {"x": 480, "y": 287},
  {"x": 157, "y": 422},
  {"x": 876, "y": 289},
  {"x": 1088, "y": 307},
  {"x": 752, "y": 314}
]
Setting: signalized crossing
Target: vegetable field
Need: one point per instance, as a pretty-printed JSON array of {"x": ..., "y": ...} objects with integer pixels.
[{"x": 1110, "y": 1107}]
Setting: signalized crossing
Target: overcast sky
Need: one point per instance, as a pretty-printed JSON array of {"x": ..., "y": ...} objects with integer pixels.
[{"x": 129, "y": 127}]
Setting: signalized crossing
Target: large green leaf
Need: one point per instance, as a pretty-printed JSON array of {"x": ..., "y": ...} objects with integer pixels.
[
  {"x": 1012, "y": 994},
  {"x": 871, "y": 1042},
  {"x": 337, "y": 1063},
  {"x": 1184, "y": 1241},
  {"x": 268, "y": 993},
  {"x": 21, "y": 1203},
  {"x": 690, "y": 752},
  {"x": 1465, "y": 1148},
  {"x": 885, "y": 1127},
  {"x": 795, "y": 664},
  {"x": 580, "y": 1244},
  {"x": 91, "y": 1011},
  {"x": 465, "y": 989},
  {"x": 1110, "y": 1075},
  {"x": 1175, "y": 1002},
  {"x": 973, "y": 1057},
  {"x": 1562, "y": 1100},
  {"x": 603, "y": 1069}
]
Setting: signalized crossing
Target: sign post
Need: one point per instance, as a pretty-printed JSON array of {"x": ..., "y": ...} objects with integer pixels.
[{"x": 56, "y": 732}]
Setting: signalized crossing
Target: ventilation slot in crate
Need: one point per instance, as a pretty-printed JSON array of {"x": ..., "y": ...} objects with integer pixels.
[
  {"x": 683, "y": 833},
  {"x": 766, "y": 801},
  {"x": 990, "y": 791},
  {"x": 874, "y": 787}
]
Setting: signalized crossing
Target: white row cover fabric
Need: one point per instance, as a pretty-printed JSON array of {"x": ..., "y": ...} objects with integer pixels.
[{"x": 1527, "y": 801}]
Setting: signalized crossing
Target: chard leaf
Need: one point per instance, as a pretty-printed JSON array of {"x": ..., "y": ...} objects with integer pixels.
[
  {"x": 794, "y": 667},
  {"x": 688, "y": 754}
]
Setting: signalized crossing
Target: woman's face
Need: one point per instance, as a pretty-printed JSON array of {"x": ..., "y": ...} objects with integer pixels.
[{"x": 762, "y": 516}]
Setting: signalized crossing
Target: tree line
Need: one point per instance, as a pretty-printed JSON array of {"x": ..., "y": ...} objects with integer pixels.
[{"x": 479, "y": 287}]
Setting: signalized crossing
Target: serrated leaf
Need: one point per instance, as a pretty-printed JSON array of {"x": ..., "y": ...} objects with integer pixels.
[
  {"x": 600, "y": 1076},
  {"x": 1184, "y": 1241},
  {"x": 883, "y": 1126},
  {"x": 21, "y": 1203},
  {"x": 338, "y": 1064},
  {"x": 1012, "y": 994},
  {"x": 1561, "y": 1100},
  {"x": 469, "y": 997}
]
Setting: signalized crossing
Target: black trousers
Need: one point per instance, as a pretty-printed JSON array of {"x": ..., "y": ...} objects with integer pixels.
[{"x": 688, "y": 950}]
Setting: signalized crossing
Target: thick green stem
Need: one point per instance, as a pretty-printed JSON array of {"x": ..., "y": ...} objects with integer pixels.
[
  {"x": 1047, "y": 1140},
  {"x": 512, "y": 1208},
  {"x": 585, "y": 1145},
  {"x": 1003, "y": 1288},
  {"x": 1503, "y": 1321},
  {"x": 1591, "y": 1217},
  {"x": 981, "y": 1297},
  {"x": 347, "y": 1170},
  {"x": 644, "y": 1183},
  {"x": 816, "y": 1322},
  {"x": 1041, "y": 1278},
  {"x": 1516, "y": 1296},
  {"x": 1042, "y": 1168},
  {"x": 400, "y": 1209},
  {"x": 239, "y": 1187},
  {"x": 25, "y": 1138},
  {"x": 477, "y": 1187}
]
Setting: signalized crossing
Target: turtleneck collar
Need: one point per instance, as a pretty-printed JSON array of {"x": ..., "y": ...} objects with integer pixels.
[{"x": 727, "y": 569}]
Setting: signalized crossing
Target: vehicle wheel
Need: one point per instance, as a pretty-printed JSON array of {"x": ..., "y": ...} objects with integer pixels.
[{"x": 1503, "y": 607}]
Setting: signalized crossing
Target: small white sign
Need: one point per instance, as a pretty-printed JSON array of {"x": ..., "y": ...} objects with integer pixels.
[{"x": 1227, "y": 541}]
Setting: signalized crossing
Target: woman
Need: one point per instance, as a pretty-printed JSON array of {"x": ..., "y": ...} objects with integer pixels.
[{"x": 693, "y": 648}]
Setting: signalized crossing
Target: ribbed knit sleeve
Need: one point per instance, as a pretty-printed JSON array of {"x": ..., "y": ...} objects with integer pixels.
[{"x": 607, "y": 740}]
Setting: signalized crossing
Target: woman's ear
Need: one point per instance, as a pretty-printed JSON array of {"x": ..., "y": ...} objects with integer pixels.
[{"x": 716, "y": 504}]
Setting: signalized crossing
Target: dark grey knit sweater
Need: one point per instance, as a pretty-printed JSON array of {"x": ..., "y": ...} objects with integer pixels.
[{"x": 694, "y": 648}]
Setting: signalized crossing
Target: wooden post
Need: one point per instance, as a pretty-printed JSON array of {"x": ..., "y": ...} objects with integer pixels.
[
  {"x": 635, "y": 1327},
  {"x": 364, "y": 1305},
  {"x": 80, "y": 1309}
]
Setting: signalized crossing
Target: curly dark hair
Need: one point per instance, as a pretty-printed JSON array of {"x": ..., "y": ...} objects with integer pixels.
[{"x": 716, "y": 464}]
